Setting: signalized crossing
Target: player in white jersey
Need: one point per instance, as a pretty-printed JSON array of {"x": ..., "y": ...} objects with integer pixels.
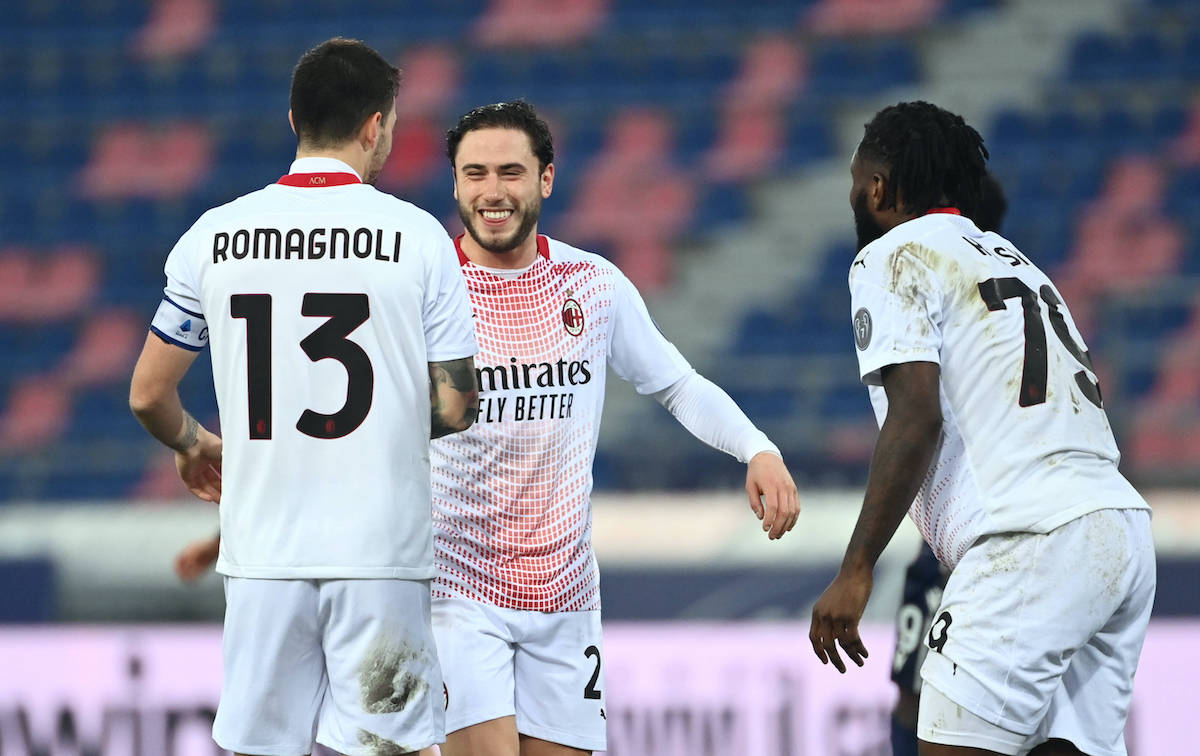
[
  {"x": 341, "y": 341},
  {"x": 516, "y": 599},
  {"x": 994, "y": 438}
]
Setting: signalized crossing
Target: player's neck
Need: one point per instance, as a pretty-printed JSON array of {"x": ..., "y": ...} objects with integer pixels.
[
  {"x": 521, "y": 256},
  {"x": 352, "y": 155}
]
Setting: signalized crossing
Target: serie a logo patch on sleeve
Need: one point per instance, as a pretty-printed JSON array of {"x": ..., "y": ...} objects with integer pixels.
[{"x": 862, "y": 328}]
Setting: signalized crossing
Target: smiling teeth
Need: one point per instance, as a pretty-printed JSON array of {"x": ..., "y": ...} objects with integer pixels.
[{"x": 496, "y": 214}]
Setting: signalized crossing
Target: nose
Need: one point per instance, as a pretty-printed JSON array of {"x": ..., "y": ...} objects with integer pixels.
[{"x": 491, "y": 188}]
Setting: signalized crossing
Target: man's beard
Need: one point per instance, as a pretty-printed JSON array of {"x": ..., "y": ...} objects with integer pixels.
[
  {"x": 865, "y": 226},
  {"x": 378, "y": 160},
  {"x": 529, "y": 219}
]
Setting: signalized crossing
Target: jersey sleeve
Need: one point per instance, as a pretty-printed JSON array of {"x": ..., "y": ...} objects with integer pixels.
[
  {"x": 896, "y": 303},
  {"x": 638, "y": 352},
  {"x": 179, "y": 319},
  {"x": 449, "y": 323}
]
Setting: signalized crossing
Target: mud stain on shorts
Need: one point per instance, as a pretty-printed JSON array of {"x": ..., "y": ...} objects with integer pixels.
[
  {"x": 387, "y": 676},
  {"x": 382, "y": 746}
]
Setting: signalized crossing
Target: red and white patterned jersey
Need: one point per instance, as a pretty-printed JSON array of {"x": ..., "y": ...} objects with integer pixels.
[{"x": 512, "y": 494}]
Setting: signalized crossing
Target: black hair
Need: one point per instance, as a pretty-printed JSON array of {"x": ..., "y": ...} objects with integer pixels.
[
  {"x": 992, "y": 205},
  {"x": 338, "y": 85},
  {"x": 933, "y": 158},
  {"x": 516, "y": 114}
]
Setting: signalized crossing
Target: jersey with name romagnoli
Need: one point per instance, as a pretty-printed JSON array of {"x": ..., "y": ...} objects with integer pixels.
[
  {"x": 325, "y": 304},
  {"x": 512, "y": 512},
  {"x": 1026, "y": 445}
]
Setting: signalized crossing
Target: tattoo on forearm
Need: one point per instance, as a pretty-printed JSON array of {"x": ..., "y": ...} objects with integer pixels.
[
  {"x": 457, "y": 376},
  {"x": 191, "y": 432}
]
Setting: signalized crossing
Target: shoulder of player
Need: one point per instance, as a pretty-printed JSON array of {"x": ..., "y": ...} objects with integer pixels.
[
  {"x": 561, "y": 252},
  {"x": 928, "y": 241}
]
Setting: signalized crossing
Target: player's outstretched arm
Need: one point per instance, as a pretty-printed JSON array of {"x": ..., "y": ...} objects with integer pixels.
[
  {"x": 195, "y": 558},
  {"x": 712, "y": 416},
  {"x": 154, "y": 400},
  {"x": 903, "y": 453},
  {"x": 453, "y": 396}
]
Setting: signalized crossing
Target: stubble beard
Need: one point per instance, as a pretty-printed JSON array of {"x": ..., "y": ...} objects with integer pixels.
[
  {"x": 865, "y": 226},
  {"x": 499, "y": 246}
]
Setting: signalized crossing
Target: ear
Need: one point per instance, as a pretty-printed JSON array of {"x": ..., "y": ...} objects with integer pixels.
[
  {"x": 877, "y": 192},
  {"x": 368, "y": 135},
  {"x": 454, "y": 181},
  {"x": 548, "y": 181},
  {"x": 292, "y": 121}
]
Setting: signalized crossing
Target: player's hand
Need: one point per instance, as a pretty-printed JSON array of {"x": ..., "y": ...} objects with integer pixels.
[
  {"x": 200, "y": 466},
  {"x": 835, "y": 618},
  {"x": 773, "y": 495},
  {"x": 197, "y": 557}
]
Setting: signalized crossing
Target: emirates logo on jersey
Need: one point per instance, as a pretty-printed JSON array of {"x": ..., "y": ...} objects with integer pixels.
[{"x": 572, "y": 316}]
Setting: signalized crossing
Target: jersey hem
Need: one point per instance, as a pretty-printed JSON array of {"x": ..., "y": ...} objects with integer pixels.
[
  {"x": 562, "y": 737},
  {"x": 1074, "y": 513},
  {"x": 326, "y": 572},
  {"x": 652, "y": 388},
  {"x": 869, "y": 369},
  {"x": 176, "y": 342},
  {"x": 181, "y": 307},
  {"x": 451, "y": 354}
]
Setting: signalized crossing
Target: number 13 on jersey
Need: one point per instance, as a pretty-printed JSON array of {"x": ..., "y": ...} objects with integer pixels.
[{"x": 346, "y": 312}]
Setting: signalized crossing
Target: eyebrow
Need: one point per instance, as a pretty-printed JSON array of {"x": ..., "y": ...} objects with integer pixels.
[{"x": 482, "y": 167}]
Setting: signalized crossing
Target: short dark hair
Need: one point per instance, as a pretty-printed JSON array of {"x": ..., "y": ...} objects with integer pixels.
[
  {"x": 336, "y": 86},
  {"x": 932, "y": 156},
  {"x": 516, "y": 114}
]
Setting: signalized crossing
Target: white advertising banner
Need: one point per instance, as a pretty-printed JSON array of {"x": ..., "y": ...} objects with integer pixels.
[{"x": 674, "y": 689}]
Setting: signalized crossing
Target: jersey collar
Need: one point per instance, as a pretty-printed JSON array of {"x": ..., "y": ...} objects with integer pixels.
[
  {"x": 943, "y": 211},
  {"x": 315, "y": 172},
  {"x": 543, "y": 248}
]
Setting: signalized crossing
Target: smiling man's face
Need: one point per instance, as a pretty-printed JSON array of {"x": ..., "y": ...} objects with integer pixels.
[{"x": 499, "y": 187}]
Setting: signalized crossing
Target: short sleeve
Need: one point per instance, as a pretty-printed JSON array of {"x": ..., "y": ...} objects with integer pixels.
[
  {"x": 449, "y": 323},
  {"x": 179, "y": 319},
  {"x": 896, "y": 303},
  {"x": 638, "y": 352}
]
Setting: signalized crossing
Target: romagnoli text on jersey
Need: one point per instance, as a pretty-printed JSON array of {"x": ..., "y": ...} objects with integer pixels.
[
  {"x": 304, "y": 244},
  {"x": 532, "y": 375}
]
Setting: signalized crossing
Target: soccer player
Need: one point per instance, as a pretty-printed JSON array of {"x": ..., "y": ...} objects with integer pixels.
[
  {"x": 516, "y": 599},
  {"x": 925, "y": 578},
  {"x": 341, "y": 342},
  {"x": 993, "y": 436}
]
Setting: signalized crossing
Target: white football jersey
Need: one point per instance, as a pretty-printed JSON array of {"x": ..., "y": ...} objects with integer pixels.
[
  {"x": 1025, "y": 444},
  {"x": 324, "y": 300},
  {"x": 512, "y": 494}
]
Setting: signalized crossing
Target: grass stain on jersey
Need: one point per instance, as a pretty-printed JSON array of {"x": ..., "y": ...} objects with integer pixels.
[
  {"x": 381, "y": 746},
  {"x": 385, "y": 679}
]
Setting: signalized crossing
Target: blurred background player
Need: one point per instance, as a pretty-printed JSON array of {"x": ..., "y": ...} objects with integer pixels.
[
  {"x": 925, "y": 577},
  {"x": 517, "y": 599},
  {"x": 340, "y": 331},
  {"x": 994, "y": 437}
]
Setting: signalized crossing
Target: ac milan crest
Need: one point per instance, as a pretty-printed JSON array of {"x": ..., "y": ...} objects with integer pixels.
[{"x": 572, "y": 316}]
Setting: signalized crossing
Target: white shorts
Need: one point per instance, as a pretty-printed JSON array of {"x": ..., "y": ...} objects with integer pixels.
[
  {"x": 1038, "y": 636},
  {"x": 349, "y": 663},
  {"x": 544, "y": 668}
]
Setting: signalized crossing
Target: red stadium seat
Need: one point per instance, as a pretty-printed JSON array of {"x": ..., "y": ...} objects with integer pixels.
[
  {"x": 133, "y": 160},
  {"x": 36, "y": 288},
  {"x": 772, "y": 74},
  {"x": 37, "y": 413},
  {"x": 538, "y": 22},
  {"x": 175, "y": 28},
  {"x": 105, "y": 351},
  {"x": 871, "y": 16}
]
